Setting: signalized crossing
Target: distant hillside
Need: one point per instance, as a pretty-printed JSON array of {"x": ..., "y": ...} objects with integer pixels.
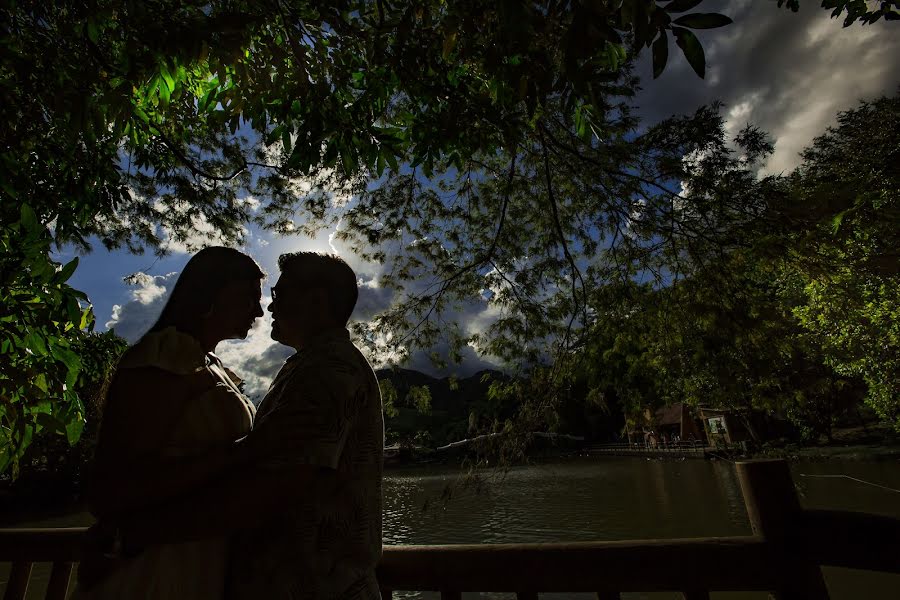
[{"x": 450, "y": 408}]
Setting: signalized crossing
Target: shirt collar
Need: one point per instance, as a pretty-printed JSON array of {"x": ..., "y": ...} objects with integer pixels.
[{"x": 322, "y": 338}]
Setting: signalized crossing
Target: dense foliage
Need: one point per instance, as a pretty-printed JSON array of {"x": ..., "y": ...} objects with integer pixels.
[
  {"x": 42, "y": 323},
  {"x": 139, "y": 123},
  {"x": 799, "y": 317}
]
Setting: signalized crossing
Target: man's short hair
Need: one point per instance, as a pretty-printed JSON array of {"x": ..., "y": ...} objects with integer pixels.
[{"x": 328, "y": 271}]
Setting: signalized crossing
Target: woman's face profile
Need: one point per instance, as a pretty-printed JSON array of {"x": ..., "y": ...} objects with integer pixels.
[{"x": 236, "y": 307}]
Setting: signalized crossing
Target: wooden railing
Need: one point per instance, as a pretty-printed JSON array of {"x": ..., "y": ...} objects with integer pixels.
[
  {"x": 783, "y": 555},
  {"x": 676, "y": 449}
]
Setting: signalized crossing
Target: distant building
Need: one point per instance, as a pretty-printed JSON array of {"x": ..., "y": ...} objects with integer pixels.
[
  {"x": 733, "y": 426},
  {"x": 677, "y": 420}
]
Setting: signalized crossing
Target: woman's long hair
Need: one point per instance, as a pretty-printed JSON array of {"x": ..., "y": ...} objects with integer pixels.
[{"x": 203, "y": 277}]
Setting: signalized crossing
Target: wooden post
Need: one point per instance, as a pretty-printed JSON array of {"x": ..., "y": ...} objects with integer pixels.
[
  {"x": 774, "y": 512},
  {"x": 18, "y": 581},
  {"x": 58, "y": 586}
]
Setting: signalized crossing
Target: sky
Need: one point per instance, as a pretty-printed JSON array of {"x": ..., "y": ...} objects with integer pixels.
[{"x": 787, "y": 73}]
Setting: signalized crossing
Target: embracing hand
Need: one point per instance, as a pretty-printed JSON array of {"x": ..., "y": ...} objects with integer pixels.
[{"x": 99, "y": 558}]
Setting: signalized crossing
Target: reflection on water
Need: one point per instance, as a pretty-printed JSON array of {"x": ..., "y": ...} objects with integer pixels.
[
  {"x": 604, "y": 498},
  {"x": 573, "y": 501}
]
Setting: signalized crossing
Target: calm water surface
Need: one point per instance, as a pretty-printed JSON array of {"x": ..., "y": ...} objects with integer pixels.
[{"x": 609, "y": 498}]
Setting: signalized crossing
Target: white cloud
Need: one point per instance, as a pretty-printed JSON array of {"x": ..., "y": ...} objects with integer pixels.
[
  {"x": 373, "y": 298},
  {"x": 146, "y": 298},
  {"x": 257, "y": 358},
  {"x": 251, "y": 202}
]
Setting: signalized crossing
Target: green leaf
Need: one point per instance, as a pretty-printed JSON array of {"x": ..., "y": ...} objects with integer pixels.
[
  {"x": 837, "y": 220},
  {"x": 74, "y": 428},
  {"x": 692, "y": 50},
  {"x": 392, "y": 162},
  {"x": 66, "y": 272},
  {"x": 274, "y": 135},
  {"x": 35, "y": 343},
  {"x": 92, "y": 32},
  {"x": 41, "y": 382},
  {"x": 660, "y": 53},
  {"x": 206, "y": 100},
  {"x": 681, "y": 5},
  {"x": 295, "y": 160},
  {"x": 87, "y": 318},
  {"x": 73, "y": 312},
  {"x": 164, "y": 94},
  {"x": 348, "y": 159},
  {"x": 703, "y": 21},
  {"x": 449, "y": 44},
  {"x": 67, "y": 357},
  {"x": 167, "y": 78},
  {"x": 29, "y": 220}
]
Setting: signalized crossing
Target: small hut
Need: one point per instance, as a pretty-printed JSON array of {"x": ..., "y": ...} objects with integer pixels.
[{"x": 677, "y": 420}]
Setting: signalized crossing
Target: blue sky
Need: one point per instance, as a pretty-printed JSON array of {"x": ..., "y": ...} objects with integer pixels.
[{"x": 786, "y": 73}]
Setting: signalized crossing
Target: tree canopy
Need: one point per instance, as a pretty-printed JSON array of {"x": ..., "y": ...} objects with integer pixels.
[{"x": 134, "y": 122}]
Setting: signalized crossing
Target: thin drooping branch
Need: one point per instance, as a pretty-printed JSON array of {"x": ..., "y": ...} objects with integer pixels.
[
  {"x": 197, "y": 171},
  {"x": 588, "y": 159},
  {"x": 486, "y": 257},
  {"x": 187, "y": 162},
  {"x": 576, "y": 272}
]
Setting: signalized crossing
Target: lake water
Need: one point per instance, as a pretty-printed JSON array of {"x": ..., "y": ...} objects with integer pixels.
[{"x": 609, "y": 498}]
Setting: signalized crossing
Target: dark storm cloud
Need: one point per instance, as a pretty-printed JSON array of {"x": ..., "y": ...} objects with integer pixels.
[{"x": 788, "y": 73}]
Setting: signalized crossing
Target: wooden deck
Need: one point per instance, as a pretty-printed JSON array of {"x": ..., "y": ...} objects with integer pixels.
[
  {"x": 673, "y": 450},
  {"x": 783, "y": 555}
]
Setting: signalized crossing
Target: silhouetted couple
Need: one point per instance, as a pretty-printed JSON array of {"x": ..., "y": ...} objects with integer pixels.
[{"x": 197, "y": 497}]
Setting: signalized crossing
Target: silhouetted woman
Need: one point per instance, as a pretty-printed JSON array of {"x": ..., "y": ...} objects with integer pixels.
[{"x": 172, "y": 416}]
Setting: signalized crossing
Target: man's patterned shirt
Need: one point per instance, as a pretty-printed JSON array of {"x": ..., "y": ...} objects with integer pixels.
[{"x": 328, "y": 544}]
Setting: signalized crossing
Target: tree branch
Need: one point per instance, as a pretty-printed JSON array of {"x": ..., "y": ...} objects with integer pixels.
[
  {"x": 477, "y": 262},
  {"x": 576, "y": 273}
]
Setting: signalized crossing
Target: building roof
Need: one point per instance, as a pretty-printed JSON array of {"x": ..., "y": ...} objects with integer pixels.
[{"x": 669, "y": 415}]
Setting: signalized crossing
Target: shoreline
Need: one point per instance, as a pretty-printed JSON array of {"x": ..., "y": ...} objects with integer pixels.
[{"x": 853, "y": 452}]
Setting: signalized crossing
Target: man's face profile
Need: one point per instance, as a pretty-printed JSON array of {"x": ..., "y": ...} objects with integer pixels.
[{"x": 292, "y": 309}]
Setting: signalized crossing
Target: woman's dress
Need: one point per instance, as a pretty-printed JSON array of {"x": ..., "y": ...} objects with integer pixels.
[{"x": 190, "y": 570}]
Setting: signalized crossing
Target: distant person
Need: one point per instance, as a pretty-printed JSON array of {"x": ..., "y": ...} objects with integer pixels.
[
  {"x": 306, "y": 520},
  {"x": 173, "y": 413}
]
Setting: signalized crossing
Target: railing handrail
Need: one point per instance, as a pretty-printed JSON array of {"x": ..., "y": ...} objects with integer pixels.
[{"x": 831, "y": 538}]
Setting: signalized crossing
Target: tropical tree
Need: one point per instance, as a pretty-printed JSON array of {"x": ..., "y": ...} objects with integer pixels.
[
  {"x": 796, "y": 315},
  {"x": 43, "y": 325},
  {"x": 846, "y": 248}
]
